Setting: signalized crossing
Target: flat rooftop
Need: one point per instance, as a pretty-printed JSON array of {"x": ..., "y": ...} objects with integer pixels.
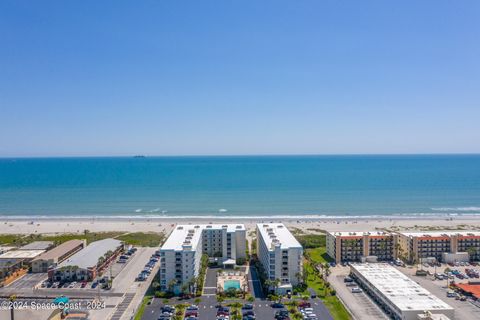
[
  {"x": 359, "y": 233},
  {"x": 277, "y": 232},
  {"x": 400, "y": 290},
  {"x": 60, "y": 250},
  {"x": 189, "y": 234},
  {"x": 37, "y": 245},
  {"x": 88, "y": 257},
  {"x": 6, "y": 248},
  {"x": 21, "y": 254},
  {"x": 441, "y": 233}
]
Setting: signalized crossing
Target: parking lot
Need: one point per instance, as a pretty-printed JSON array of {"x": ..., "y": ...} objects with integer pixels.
[
  {"x": 463, "y": 309},
  {"x": 28, "y": 281},
  {"x": 207, "y": 309},
  {"x": 360, "y": 304}
]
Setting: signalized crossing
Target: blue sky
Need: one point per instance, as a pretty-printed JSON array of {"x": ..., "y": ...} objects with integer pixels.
[{"x": 239, "y": 77}]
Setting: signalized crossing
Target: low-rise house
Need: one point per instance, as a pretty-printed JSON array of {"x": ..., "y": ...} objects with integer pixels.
[
  {"x": 87, "y": 263},
  {"x": 56, "y": 255},
  {"x": 24, "y": 255},
  {"x": 38, "y": 245}
]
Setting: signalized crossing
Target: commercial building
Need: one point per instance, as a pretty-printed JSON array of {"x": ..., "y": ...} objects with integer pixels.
[
  {"x": 355, "y": 246},
  {"x": 400, "y": 297},
  {"x": 420, "y": 245},
  {"x": 181, "y": 254},
  {"x": 280, "y": 254},
  {"x": 87, "y": 263},
  {"x": 56, "y": 255}
]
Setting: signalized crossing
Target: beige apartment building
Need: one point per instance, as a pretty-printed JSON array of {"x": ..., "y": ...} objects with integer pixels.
[
  {"x": 420, "y": 245},
  {"x": 353, "y": 246}
]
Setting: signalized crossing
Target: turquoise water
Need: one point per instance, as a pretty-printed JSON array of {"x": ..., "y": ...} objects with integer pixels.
[
  {"x": 227, "y": 284},
  {"x": 242, "y": 186}
]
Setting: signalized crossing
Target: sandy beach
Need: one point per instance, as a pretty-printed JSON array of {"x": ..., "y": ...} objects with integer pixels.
[{"x": 165, "y": 225}]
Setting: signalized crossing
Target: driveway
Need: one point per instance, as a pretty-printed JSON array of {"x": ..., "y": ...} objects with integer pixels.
[
  {"x": 210, "y": 286},
  {"x": 254, "y": 283}
]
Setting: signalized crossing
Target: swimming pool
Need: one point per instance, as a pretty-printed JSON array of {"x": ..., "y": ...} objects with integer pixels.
[{"x": 227, "y": 284}]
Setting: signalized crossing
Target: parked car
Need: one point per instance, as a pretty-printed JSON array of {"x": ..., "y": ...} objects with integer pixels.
[
  {"x": 356, "y": 290},
  {"x": 277, "y": 305}
]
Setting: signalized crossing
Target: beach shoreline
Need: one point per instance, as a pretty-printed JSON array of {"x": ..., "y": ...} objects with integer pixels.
[{"x": 59, "y": 225}]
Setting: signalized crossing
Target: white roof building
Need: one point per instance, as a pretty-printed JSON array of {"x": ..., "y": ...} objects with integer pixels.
[
  {"x": 397, "y": 292},
  {"x": 88, "y": 257},
  {"x": 277, "y": 234},
  {"x": 181, "y": 253},
  {"x": 280, "y": 254}
]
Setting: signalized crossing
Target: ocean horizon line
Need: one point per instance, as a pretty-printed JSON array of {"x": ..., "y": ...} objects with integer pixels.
[{"x": 141, "y": 155}]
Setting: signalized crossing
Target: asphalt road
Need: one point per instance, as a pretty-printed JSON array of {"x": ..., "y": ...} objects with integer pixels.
[{"x": 254, "y": 283}]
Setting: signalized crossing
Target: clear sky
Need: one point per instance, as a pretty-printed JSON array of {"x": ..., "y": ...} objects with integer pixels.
[{"x": 239, "y": 77}]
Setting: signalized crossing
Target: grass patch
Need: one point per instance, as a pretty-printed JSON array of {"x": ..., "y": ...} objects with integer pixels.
[
  {"x": 319, "y": 255},
  {"x": 141, "y": 309},
  {"x": 89, "y": 236},
  {"x": 141, "y": 239},
  {"x": 312, "y": 240},
  {"x": 14, "y": 239},
  {"x": 333, "y": 304}
]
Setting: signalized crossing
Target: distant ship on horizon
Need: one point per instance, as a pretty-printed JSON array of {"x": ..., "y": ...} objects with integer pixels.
[{"x": 139, "y": 156}]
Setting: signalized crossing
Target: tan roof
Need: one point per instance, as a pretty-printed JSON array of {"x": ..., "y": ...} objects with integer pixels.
[{"x": 59, "y": 250}]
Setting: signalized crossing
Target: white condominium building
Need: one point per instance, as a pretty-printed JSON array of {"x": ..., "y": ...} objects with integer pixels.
[
  {"x": 280, "y": 254},
  {"x": 181, "y": 254}
]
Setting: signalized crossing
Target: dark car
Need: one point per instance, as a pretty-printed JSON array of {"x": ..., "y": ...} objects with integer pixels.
[
  {"x": 277, "y": 305},
  {"x": 249, "y": 313},
  {"x": 247, "y": 306},
  {"x": 281, "y": 314},
  {"x": 222, "y": 308}
]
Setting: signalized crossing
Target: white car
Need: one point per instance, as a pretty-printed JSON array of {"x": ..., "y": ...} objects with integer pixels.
[{"x": 356, "y": 290}]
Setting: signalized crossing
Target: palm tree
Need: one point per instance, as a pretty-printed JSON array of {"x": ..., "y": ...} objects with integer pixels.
[
  {"x": 471, "y": 253},
  {"x": 171, "y": 284},
  {"x": 298, "y": 275},
  {"x": 326, "y": 268},
  {"x": 101, "y": 260},
  {"x": 185, "y": 288},
  {"x": 191, "y": 284},
  {"x": 276, "y": 284}
]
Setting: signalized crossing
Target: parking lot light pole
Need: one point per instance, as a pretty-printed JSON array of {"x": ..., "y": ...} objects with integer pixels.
[{"x": 12, "y": 309}]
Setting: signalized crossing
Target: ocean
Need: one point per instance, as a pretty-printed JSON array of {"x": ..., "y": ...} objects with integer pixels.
[{"x": 241, "y": 186}]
